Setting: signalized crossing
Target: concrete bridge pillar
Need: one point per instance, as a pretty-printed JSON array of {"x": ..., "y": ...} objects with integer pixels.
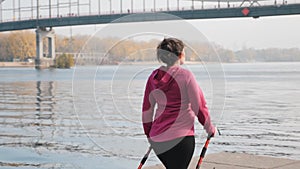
[{"x": 45, "y": 60}]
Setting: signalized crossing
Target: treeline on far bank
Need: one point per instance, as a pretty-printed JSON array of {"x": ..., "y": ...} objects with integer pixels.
[{"x": 21, "y": 45}]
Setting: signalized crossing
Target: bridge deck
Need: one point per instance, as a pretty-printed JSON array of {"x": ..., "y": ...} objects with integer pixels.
[{"x": 254, "y": 12}]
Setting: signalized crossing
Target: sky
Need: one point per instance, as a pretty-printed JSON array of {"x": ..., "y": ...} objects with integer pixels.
[
  {"x": 234, "y": 33},
  {"x": 264, "y": 32}
]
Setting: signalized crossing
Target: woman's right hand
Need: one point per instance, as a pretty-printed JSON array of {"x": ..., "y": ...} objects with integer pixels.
[{"x": 211, "y": 133}]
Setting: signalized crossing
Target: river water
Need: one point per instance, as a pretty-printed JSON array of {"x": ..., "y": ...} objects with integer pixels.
[{"x": 89, "y": 117}]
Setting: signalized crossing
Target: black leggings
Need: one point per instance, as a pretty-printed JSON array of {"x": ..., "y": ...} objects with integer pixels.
[{"x": 175, "y": 154}]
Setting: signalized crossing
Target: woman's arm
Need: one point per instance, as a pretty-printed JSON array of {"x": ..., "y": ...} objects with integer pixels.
[{"x": 198, "y": 104}]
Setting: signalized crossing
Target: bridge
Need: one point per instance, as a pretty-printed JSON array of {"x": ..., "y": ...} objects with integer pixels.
[{"x": 44, "y": 16}]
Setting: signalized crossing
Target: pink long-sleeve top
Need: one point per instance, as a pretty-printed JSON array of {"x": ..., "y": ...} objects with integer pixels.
[{"x": 178, "y": 100}]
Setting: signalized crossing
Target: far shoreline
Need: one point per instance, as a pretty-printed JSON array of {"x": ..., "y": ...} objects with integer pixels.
[
  {"x": 17, "y": 64},
  {"x": 32, "y": 64}
]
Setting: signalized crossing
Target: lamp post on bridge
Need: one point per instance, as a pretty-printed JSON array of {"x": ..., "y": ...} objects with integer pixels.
[
  {"x": 78, "y": 6},
  {"x": 50, "y": 9},
  {"x": 19, "y": 9},
  {"x": 110, "y": 7},
  {"x": 14, "y": 11},
  {"x": 121, "y": 11},
  {"x": 37, "y": 9},
  {"x": 1, "y": 1},
  {"x": 70, "y": 8},
  {"x": 193, "y": 4},
  {"x": 90, "y": 7},
  {"x": 99, "y": 7},
  {"x": 31, "y": 9},
  {"x": 131, "y": 6}
]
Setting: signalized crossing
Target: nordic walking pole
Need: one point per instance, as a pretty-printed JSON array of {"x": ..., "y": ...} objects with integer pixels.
[
  {"x": 145, "y": 158},
  {"x": 204, "y": 150}
]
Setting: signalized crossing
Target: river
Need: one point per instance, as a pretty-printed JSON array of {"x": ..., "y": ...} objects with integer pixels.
[{"x": 90, "y": 117}]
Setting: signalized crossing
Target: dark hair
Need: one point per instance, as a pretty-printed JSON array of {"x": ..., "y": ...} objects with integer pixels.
[{"x": 169, "y": 50}]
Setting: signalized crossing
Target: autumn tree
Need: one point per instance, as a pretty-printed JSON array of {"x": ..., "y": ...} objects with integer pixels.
[
  {"x": 5, "y": 54},
  {"x": 21, "y": 44},
  {"x": 64, "y": 61}
]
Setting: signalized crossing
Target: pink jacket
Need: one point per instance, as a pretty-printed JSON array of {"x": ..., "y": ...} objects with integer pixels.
[{"x": 179, "y": 100}]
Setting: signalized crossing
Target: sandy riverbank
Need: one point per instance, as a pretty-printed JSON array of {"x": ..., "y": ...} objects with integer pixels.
[
  {"x": 240, "y": 161},
  {"x": 17, "y": 64}
]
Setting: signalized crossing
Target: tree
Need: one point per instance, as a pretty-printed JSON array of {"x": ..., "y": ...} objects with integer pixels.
[
  {"x": 64, "y": 61},
  {"x": 21, "y": 44},
  {"x": 5, "y": 54}
]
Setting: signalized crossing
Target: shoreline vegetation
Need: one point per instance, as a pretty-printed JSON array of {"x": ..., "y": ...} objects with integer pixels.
[{"x": 17, "y": 47}]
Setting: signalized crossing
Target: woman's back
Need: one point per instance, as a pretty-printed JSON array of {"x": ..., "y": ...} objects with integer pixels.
[{"x": 173, "y": 116}]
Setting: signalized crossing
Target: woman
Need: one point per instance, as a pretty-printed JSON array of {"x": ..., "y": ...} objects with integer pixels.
[{"x": 179, "y": 100}]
